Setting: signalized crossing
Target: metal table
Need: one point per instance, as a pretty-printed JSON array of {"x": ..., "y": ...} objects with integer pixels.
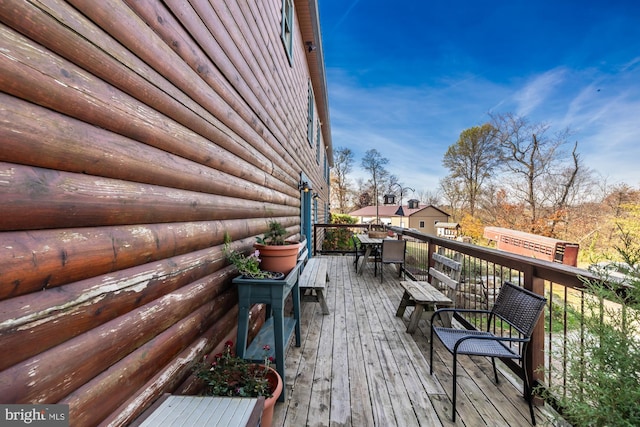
[{"x": 369, "y": 243}]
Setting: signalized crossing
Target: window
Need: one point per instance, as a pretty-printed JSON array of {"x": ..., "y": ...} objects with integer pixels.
[
  {"x": 421, "y": 224},
  {"x": 287, "y": 28},
  {"x": 310, "y": 113},
  {"x": 315, "y": 210},
  {"x": 318, "y": 142}
]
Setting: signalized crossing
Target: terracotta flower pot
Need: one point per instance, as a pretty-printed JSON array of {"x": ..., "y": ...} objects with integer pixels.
[
  {"x": 280, "y": 258},
  {"x": 269, "y": 404}
]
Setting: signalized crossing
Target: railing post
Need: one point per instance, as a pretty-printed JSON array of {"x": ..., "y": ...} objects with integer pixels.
[
  {"x": 430, "y": 250},
  {"x": 315, "y": 239},
  {"x": 535, "y": 350}
]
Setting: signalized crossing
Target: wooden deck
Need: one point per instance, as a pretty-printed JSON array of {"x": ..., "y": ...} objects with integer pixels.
[{"x": 358, "y": 366}]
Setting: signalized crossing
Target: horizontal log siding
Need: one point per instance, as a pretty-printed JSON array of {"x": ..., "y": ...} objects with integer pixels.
[{"x": 134, "y": 135}]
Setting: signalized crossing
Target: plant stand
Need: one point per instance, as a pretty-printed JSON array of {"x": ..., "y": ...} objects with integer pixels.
[{"x": 277, "y": 329}]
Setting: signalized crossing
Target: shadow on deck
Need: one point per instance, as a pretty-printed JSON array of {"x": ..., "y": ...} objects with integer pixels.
[{"x": 358, "y": 366}]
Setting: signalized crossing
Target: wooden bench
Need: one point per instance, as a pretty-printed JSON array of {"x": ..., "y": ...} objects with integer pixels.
[
  {"x": 313, "y": 280},
  {"x": 425, "y": 296}
]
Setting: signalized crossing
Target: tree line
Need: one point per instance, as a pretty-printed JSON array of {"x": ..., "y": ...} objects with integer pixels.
[{"x": 508, "y": 172}]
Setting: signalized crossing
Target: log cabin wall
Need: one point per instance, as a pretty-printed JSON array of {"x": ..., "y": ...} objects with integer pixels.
[{"x": 133, "y": 135}]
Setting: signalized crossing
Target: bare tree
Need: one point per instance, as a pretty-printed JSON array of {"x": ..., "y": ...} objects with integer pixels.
[
  {"x": 343, "y": 163},
  {"x": 454, "y": 195},
  {"x": 363, "y": 194},
  {"x": 471, "y": 160},
  {"x": 429, "y": 197},
  {"x": 374, "y": 163},
  {"x": 533, "y": 158}
]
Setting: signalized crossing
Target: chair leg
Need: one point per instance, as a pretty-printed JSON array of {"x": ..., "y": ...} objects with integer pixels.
[
  {"x": 495, "y": 370},
  {"x": 528, "y": 395},
  {"x": 455, "y": 373}
]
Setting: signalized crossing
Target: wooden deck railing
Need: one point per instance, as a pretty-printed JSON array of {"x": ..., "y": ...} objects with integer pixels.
[{"x": 484, "y": 270}]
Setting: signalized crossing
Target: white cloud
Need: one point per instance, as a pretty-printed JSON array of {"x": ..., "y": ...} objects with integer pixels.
[
  {"x": 538, "y": 90},
  {"x": 414, "y": 126}
]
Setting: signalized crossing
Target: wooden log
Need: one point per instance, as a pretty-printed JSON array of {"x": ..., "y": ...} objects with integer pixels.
[
  {"x": 37, "y": 322},
  {"x": 93, "y": 56},
  {"x": 173, "y": 373},
  {"x": 255, "y": 49},
  {"x": 51, "y": 318},
  {"x": 75, "y": 200},
  {"x": 196, "y": 81},
  {"x": 42, "y": 259},
  {"x": 102, "y": 395},
  {"x": 36, "y": 136},
  {"x": 93, "y": 101},
  {"x": 200, "y": 21},
  {"x": 51, "y": 375}
]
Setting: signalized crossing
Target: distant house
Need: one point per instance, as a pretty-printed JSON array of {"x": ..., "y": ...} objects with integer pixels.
[
  {"x": 448, "y": 230},
  {"x": 420, "y": 218}
]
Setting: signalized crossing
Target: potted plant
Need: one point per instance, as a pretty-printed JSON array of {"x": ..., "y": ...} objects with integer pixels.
[
  {"x": 276, "y": 253},
  {"x": 226, "y": 374},
  {"x": 248, "y": 265}
]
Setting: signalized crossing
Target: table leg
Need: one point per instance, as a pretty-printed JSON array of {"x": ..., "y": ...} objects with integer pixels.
[
  {"x": 243, "y": 330},
  {"x": 365, "y": 258},
  {"x": 278, "y": 332},
  {"x": 295, "y": 295}
]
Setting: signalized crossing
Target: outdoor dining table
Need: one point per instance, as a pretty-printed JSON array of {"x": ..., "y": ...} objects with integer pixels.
[{"x": 369, "y": 243}]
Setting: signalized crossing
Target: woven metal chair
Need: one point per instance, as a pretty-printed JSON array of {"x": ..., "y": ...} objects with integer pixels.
[
  {"x": 516, "y": 307},
  {"x": 392, "y": 253}
]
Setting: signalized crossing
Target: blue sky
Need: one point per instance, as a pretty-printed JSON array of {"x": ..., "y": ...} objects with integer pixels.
[{"x": 407, "y": 77}]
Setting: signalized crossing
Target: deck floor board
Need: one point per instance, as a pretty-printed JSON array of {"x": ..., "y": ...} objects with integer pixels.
[{"x": 359, "y": 367}]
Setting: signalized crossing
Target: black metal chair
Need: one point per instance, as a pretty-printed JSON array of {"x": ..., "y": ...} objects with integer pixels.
[
  {"x": 392, "y": 252},
  {"x": 515, "y": 307}
]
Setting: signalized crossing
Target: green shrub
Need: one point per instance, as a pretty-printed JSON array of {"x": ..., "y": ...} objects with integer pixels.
[{"x": 603, "y": 357}]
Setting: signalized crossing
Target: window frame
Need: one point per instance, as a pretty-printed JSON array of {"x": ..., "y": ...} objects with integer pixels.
[
  {"x": 286, "y": 32},
  {"x": 310, "y": 113}
]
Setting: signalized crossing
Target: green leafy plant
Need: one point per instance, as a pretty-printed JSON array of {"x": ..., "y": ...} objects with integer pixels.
[
  {"x": 247, "y": 265},
  {"x": 603, "y": 356},
  {"x": 229, "y": 375},
  {"x": 275, "y": 236}
]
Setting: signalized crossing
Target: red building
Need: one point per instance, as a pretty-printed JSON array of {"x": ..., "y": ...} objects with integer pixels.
[{"x": 540, "y": 247}]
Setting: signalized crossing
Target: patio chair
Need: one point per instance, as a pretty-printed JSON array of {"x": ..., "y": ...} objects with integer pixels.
[
  {"x": 392, "y": 252},
  {"x": 515, "y": 307}
]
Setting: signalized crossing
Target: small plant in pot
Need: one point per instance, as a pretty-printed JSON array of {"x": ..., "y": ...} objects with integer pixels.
[
  {"x": 226, "y": 374},
  {"x": 275, "y": 236},
  {"x": 248, "y": 265},
  {"x": 277, "y": 254}
]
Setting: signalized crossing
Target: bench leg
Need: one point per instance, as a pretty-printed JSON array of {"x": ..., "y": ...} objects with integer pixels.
[
  {"x": 415, "y": 318},
  {"x": 446, "y": 319},
  {"x": 403, "y": 304},
  {"x": 322, "y": 301}
]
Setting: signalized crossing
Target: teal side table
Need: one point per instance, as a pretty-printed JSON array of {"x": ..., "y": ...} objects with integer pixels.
[{"x": 277, "y": 329}]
